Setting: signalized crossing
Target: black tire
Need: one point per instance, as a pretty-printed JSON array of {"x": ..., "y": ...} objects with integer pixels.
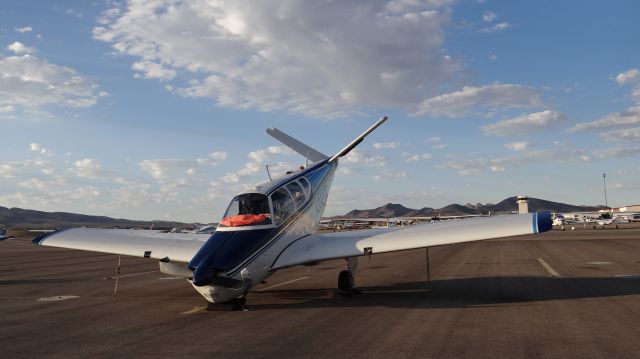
[{"x": 345, "y": 282}]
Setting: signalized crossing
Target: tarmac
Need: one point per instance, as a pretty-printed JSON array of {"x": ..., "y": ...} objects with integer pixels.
[{"x": 569, "y": 294}]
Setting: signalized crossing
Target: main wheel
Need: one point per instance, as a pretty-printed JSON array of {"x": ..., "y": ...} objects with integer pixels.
[{"x": 345, "y": 282}]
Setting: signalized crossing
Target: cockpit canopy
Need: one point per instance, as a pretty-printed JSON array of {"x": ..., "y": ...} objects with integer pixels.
[
  {"x": 248, "y": 209},
  {"x": 256, "y": 209}
]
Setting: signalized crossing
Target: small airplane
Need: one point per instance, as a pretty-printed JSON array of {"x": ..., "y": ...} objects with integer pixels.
[
  {"x": 558, "y": 219},
  {"x": 606, "y": 219},
  {"x": 3, "y": 234},
  {"x": 273, "y": 225}
]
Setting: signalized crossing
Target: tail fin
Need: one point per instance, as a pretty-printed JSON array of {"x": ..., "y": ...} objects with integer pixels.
[
  {"x": 296, "y": 145},
  {"x": 358, "y": 139}
]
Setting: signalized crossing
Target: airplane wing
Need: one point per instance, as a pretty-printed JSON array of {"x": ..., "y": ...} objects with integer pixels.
[
  {"x": 177, "y": 247},
  {"x": 318, "y": 247}
]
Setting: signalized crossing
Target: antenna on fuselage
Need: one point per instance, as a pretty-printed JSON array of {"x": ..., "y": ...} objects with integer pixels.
[{"x": 268, "y": 174}]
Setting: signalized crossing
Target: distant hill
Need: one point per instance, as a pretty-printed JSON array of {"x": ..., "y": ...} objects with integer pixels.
[
  {"x": 31, "y": 219},
  {"x": 507, "y": 205},
  {"x": 388, "y": 210}
]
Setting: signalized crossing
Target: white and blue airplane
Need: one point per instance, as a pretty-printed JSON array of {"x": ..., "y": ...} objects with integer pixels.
[
  {"x": 3, "y": 234},
  {"x": 273, "y": 225}
]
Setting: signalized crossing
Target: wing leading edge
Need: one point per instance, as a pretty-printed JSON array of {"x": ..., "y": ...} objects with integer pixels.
[
  {"x": 178, "y": 247},
  {"x": 320, "y": 247}
]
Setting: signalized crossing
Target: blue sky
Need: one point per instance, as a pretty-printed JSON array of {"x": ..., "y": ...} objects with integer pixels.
[{"x": 157, "y": 109}]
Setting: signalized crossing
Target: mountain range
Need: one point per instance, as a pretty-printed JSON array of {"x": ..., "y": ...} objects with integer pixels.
[
  {"x": 508, "y": 205},
  {"x": 32, "y": 219}
]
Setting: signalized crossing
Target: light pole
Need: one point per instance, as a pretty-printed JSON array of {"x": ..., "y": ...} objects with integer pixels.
[{"x": 604, "y": 184}]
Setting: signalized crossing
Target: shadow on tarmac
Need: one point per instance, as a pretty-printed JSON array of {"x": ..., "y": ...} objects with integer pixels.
[{"x": 457, "y": 293}]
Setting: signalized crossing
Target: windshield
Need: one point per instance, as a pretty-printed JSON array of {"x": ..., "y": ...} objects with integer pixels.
[{"x": 249, "y": 209}]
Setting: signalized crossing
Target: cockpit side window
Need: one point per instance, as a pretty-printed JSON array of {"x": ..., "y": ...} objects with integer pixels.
[
  {"x": 298, "y": 193},
  {"x": 282, "y": 205},
  {"x": 305, "y": 184},
  {"x": 249, "y": 209}
]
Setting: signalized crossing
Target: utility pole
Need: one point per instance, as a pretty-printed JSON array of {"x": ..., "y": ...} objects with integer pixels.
[{"x": 604, "y": 184}]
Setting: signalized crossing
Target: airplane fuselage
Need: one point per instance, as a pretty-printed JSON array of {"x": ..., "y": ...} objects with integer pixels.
[{"x": 235, "y": 259}]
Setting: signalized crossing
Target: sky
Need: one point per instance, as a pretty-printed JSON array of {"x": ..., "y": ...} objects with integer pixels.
[{"x": 157, "y": 109}]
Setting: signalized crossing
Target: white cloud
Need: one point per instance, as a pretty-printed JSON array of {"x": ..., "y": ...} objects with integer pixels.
[
  {"x": 362, "y": 156},
  {"x": 635, "y": 94},
  {"x": 629, "y": 134},
  {"x": 476, "y": 166},
  {"x": 28, "y": 82},
  {"x": 524, "y": 124},
  {"x": 15, "y": 168},
  {"x": 390, "y": 175},
  {"x": 74, "y": 13},
  {"x": 386, "y": 145},
  {"x": 616, "y": 152},
  {"x": 416, "y": 157},
  {"x": 36, "y": 147},
  {"x": 267, "y": 153},
  {"x": 23, "y": 29},
  {"x": 257, "y": 162},
  {"x": 489, "y": 16},
  {"x": 631, "y": 116},
  {"x": 518, "y": 146},
  {"x": 494, "y": 96},
  {"x": 497, "y": 27},
  {"x": 292, "y": 56},
  {"x": 163, "y": 168},
  {"x": 8, "y": 170},
  {"x": 43, "y": 185},
  {"x": 151, "y": 70},
  {"x": 88, "y": 168},
  {"x": 130, "y": 195},
  {"x": 629, "y": 77},
  {"x": 19, "y": 48},
  {"x": 85, "y": 193}
]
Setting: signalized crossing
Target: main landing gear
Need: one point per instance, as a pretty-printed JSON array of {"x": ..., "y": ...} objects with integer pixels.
[{"x": 346, "y": 282}]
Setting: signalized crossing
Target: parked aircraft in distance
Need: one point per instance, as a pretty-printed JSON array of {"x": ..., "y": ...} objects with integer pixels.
[
  {"x": 3, "y": 234},
  {"x": 273, "y": 225}
]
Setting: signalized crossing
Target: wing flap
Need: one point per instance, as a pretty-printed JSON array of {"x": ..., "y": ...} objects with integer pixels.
[
  {"x": 320, "y": 247},
  {"x": 180, "y": 247}
]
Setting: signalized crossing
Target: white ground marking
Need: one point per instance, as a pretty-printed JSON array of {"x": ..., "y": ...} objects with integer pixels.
[
  {"x": 598, "y": 263},
  {"x": 281, "y": 284},
  {"x": 548, "y": 268},
  {"x": 197, "y": 309},
  {"x": 57, "y": 298}
]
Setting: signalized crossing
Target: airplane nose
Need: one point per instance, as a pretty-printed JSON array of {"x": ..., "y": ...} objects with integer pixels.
[{"x": 202, "y": 275}]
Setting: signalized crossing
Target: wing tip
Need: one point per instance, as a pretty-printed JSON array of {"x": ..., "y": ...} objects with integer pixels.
[{"x": 544, "y": 222}]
